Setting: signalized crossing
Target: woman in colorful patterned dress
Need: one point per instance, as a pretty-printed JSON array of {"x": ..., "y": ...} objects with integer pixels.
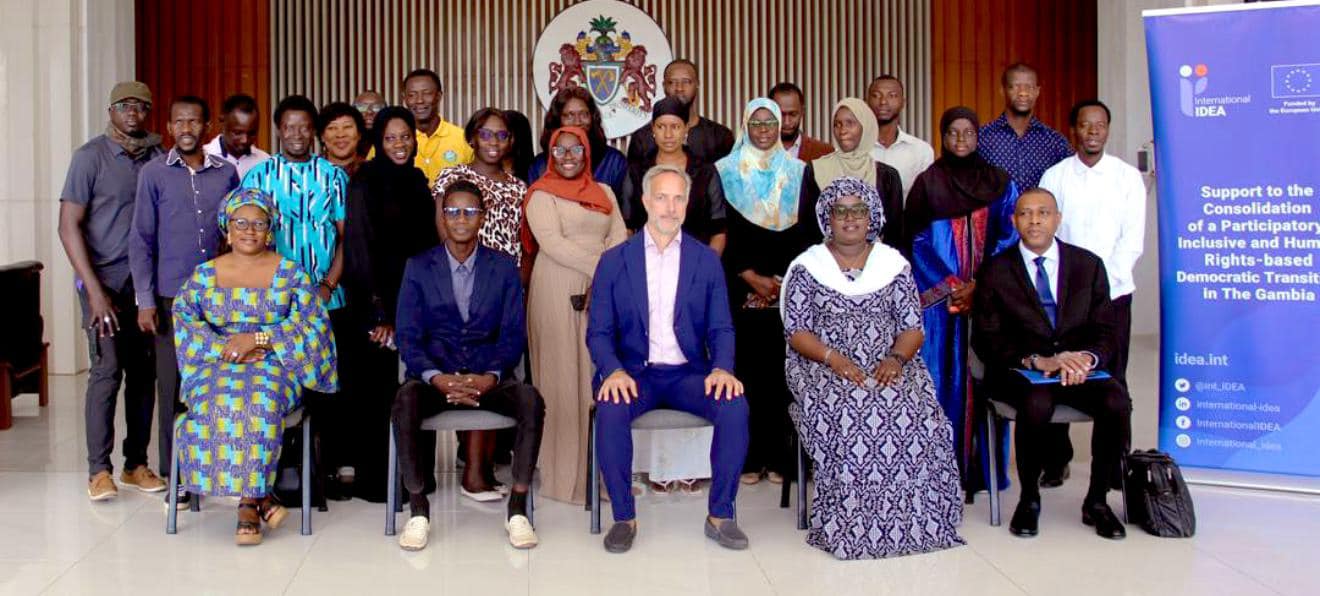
[
  {"x": 251, "y": 334},
  {"x": 865, "y": 407}
]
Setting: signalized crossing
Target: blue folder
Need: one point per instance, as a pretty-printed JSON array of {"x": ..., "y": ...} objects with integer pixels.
[{"x": 1038, "y": 378}]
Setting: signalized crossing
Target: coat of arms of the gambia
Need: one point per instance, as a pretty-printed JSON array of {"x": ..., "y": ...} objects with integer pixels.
[{"x": 606, "y": 62}]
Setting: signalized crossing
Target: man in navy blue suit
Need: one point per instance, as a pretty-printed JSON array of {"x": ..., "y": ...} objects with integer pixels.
[
  {"x": 661, "y": 336},
  {"x": 461, "y": 331}
]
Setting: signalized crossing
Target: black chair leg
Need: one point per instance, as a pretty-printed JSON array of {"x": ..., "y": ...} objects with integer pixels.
[
  {"x": 991, "y": 427},
  {"x": 786, "y": 488},
  {"x": 392, "y": 485},
  {"x": 171, "y": 520},
  {"x": 307, "y": 475},
  {"x": 591, "y": 472},
  {"x": 803, "y": 506},
  {"x": 593, "y": 487}
]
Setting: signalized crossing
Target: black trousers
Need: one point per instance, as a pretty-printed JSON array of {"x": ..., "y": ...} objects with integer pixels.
[
  {"x": 358, "y": 417},
  {"x": 417, "y": 401},
  {"x": 1106, "y": 401},
  {"x": 124, "y": 358},
  {"x": 1056, "y": 435},
  {"x": 759, "y": 358},
  {"x": 168, "y": 404}
]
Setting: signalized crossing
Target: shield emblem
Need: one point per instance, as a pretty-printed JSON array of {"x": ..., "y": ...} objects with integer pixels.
[{"x": 603, "y": 80}]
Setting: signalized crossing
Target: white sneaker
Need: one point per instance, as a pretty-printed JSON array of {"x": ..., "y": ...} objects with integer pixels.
[
  {"x": 485, "y": 496},
  {"x": 521, "y": 534},
  {"x": 415, "y": 533}
]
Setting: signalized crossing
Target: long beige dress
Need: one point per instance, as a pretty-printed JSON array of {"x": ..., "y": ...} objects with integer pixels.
[{"x": 571, "y": 240}]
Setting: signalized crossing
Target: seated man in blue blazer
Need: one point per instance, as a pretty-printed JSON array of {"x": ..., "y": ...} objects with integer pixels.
[
  {"x": 1045, "y": 307},
  {"x": 461, "y": 331},
  {"x": 661, "y": 336}
]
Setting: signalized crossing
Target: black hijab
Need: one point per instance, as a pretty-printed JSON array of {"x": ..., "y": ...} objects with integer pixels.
[
  {"x": 953, "y": 186},
  {"x": 391, "y": 217}
]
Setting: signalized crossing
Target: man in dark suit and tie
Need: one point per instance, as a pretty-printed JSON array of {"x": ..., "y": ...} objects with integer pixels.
[
  {"x": 1046, "y": 307},
  {"x": 461, "y": 331},
  {"x": 661, "y": 336}
]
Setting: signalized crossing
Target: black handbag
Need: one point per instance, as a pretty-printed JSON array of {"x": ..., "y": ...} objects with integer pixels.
[{"x": 1157, "y": 495}]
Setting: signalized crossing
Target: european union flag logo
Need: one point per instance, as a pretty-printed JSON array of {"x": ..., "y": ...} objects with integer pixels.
[{"x": 1294, "y": 80}]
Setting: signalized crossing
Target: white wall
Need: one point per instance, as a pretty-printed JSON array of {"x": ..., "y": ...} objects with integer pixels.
[{"x": 58, "y": 61}]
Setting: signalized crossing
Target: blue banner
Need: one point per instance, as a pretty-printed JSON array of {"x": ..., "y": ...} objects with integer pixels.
[{"x": 1236, "y": 102}]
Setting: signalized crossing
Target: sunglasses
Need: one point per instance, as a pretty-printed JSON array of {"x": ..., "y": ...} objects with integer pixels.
[
  {"x": 763, "y": 124},
  {"x": 369, "y": 107},
  {"x": 130, "y": 106},
  {"x": 858, "y": 211},
  {"x": 466, "y": 212},
  {"x": 256, "y": 225},
  {"x": 487, "y": 134},
  {"x": 575, "y": 151}
]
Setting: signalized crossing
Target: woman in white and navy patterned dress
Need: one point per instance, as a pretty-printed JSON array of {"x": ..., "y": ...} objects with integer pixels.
[{"x": 865, "y": 407}]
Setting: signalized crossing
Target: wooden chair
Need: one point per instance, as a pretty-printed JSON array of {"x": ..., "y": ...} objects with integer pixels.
[{"x": 22, "y": 351}]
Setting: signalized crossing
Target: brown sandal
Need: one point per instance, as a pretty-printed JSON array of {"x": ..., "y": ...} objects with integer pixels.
[
  {"x": 272, "y": 513},
  {"x": 248, "y": 533}
]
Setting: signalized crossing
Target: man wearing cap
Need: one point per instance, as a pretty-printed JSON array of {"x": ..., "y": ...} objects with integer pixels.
[{"x": 96, "y": 214}]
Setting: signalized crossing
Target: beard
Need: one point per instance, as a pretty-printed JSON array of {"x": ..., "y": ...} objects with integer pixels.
[{"x": 789, "y": 137}]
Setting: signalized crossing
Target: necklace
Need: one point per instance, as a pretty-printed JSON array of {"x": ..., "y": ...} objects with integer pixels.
[{"x": 850, "y": 263}]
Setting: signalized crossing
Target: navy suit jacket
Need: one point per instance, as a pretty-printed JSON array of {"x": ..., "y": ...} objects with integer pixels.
[
  {"x": 429, "y": 331},
  {"x": 617, "y": 330}
]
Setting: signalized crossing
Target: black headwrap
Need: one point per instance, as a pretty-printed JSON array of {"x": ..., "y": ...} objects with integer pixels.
[
  {"x": 954, "y": 186},
  {"x": 671, "y": 106}
]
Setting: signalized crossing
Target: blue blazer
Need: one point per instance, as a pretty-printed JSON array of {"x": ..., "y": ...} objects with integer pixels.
[
  {"x": 617, "y": 329},
  {"x": 429, "y": 331}
]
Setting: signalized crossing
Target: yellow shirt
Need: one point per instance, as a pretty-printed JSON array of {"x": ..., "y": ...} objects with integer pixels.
[{"x": 444, "y": 148}]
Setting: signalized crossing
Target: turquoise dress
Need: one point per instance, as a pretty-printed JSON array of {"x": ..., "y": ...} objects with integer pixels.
[{"x": 229, "y": 439}]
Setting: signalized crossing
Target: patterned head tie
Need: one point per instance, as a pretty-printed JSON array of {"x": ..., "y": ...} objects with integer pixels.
[
  {"x": 848, "y": 186},
  {"x": 239, "y": 197}
]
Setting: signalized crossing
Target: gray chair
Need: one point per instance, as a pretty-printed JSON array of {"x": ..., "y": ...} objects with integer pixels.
[
  {"x": 659, "y": 419},
  {"x": 795, "y": 443},
  {"x": 451, "y": 421},
  {"x": 297, "y": 417},
  {"x": 998, "y": 411}
]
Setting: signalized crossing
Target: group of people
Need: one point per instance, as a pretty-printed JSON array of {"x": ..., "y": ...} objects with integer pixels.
[{"x": 769, "y": 282}]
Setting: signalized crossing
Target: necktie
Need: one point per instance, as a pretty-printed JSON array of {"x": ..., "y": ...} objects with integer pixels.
[{"x": 1043, "y": 290}]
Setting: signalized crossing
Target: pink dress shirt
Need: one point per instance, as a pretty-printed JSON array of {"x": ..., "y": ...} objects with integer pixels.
[{"x": 661, "y": 295}]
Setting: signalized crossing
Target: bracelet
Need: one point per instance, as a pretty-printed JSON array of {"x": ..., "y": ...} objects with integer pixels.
[
  {"x": 262, "y": 339},
  {"x": 327, "y": 285},
  {"x": 826, "y": 359},
  {"x": 895, "y": 354}
]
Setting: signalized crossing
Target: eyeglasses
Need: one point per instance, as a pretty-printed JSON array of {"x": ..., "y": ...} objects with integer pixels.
[
  {"x": 369, "y": 107},
  {"x": 487, "y": 134},
  {"x": 763, "y": 124},
  {"x": 466, "y": 212},
  {"x": 575, "y": 151},
  {"x": 965, "y": 135},
  {"x": 256, "y": 225},
  {"x": 130, "y": 106},
  {"x": 858, "y": 211}
]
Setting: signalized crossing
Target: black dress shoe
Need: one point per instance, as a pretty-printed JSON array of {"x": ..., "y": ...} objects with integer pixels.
[
  {"x": 1107, "y": 525},
  {"x": 1025, "y": 518},
  {"x": 1054, "y": 478},
  {"x": 620, "y": 537}
]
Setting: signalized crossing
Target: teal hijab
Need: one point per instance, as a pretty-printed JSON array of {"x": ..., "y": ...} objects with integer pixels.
[{"x": 763, "y": 186}]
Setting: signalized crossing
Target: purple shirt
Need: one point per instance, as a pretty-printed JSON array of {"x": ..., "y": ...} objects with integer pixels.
[
  {"x": 661, "y": 295},
  {"x": 1025, "y": 158},
  {"x": 174, "y": 222}
]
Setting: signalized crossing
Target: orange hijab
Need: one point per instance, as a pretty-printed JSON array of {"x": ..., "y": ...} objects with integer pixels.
[{"x": 582, "y": 190}]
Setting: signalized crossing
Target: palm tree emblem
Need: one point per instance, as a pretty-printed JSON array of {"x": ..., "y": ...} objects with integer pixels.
[{"x": 604, "y": 45}]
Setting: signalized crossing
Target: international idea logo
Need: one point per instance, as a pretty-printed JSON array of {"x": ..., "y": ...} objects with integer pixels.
[
  {"x": 613, "y": 49},
  {"x": 1193, "y": 81}
]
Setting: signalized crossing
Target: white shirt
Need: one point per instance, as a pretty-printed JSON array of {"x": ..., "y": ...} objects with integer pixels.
[
  {"x": 1104, "y": 211},
  {"x": 662, "y": 295},
  {"x": 1051, "y": 267},
  {"x": 909, "y": 155},
  {"x": 244, "y": 163},
  {"x": 796, "y": 148}
]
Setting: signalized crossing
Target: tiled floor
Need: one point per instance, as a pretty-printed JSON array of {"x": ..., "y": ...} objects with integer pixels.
[{"x": 52, "y": 540}]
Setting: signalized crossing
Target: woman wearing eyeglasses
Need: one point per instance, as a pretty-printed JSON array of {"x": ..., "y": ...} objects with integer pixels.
[
  {"x": 251, "y": 334},
  {"x": 390, "y": 217},
  {"x": 865, "y": 407},
  {"x": 491, "y": 138},
  {"x": 958, "y": 214},
  {"x": 762, "y": 184},
  {"x": 571, "y": 220},
  {"x": 575, "y": 107}
]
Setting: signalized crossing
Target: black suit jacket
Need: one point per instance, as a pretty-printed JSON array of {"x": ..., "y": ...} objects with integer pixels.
[{"x": 1010, "y": 324}]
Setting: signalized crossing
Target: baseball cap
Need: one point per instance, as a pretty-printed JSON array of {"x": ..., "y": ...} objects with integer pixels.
[{"x": 130, "y": 90}]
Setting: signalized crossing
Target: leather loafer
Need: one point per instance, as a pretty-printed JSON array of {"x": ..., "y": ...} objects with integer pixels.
[
  {"x": 1054, "y": 478},
  {"x": 727, "y": 534},
  {"x": 620, "y": 537},
  {"x": 1026, "y": 519},
  {"x": 1107, "y": 525}
]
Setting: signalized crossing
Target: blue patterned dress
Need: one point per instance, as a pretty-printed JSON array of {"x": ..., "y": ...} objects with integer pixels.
[
  {"x": 229, "y": 440},
  {"x": 886, "y": 479}
]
